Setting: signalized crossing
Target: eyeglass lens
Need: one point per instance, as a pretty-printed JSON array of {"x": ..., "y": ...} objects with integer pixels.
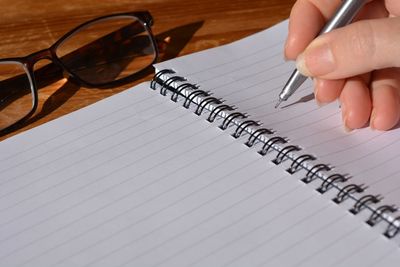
[
  {"x": 107, "y": 50},
  {"x": 16, "y": 96},
  {"x": 104, "y": 51}
]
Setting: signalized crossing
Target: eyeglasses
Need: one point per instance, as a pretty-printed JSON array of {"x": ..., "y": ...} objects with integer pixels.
[{"x": 102, "y": 52}]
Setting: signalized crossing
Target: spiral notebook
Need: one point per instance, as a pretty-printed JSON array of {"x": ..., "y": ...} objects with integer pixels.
[{"x": 197, "y": 168}]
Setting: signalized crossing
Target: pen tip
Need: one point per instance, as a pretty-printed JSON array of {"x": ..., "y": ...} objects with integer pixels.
[{"x": 278, "y": 103}]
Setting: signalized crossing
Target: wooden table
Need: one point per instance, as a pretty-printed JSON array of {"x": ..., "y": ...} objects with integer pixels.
[{"x": 27, "y": 26}]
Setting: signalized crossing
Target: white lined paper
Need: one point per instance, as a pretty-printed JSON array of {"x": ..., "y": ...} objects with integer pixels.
[
  {"x": 258, "y": 76},
  {"x": 137, "y": 180},
  {"x": 181, "y": 197}
]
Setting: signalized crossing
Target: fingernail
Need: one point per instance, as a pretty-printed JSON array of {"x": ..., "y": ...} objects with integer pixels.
[
  {"x": 284, "y": 51},
  {"x": 372, "y": 120},
  {"x": 285, "y": 57},
  {"x": 316, "y": 60},
  {"x": 347, "y": 129},
  {"x": 315, "y": 82},
  {"x": 316, "y": 92},
  {"x": 320, "y": 104},
  {"x": 301, "y": 66}
]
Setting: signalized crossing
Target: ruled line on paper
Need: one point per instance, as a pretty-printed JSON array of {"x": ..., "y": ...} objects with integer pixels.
[
  {"x": 256, "y": 101},
  {"x": 379, "y": 261},
  {"x": 193, "y": 196},
  {"x": 238, "y": 59},
  {"x": 337, "y": 240},
  {"x": 87, "y": 145},
  {"x": 349, "y": 254},
  {"x": 134, "y": 207},
  {"x": 240, "y": 68},
  {"x": 372, "y": 166},
  {"x": 233, "y": 205},
  {"x": 86, "y": 123},
  {"x": 104, "y": 150},
  {"x": 197, "y": 261},
  {"x": 301, "y": 220},
  {"x": 104, "y": 176},
  {"x": 276, "y": 256},
  {"x": 83, "y": 201}
]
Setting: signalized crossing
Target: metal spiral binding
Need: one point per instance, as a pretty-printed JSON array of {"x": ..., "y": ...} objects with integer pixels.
[
  {"x": 392, "y": 230},
  {"x": 182, "y": 87},
  {"x": 167, "y": 83},
  {"x": 189, "y": 99},
  {"x": 377, "y": 214},
  {"x": 214, "y": 114},
  {"x": 347, "y": 190},
  {"x": 284, "y": 152},
  {"x": 328, "y": 182},
  {"x": 206, "y": 101},
  {"x": 254, "y": 136},
  {"x": 267, "y": 145},
  {"x": 311, "y": 174},
  {"x": 244, "y": 125},
  {"x": 189, "y": 92},
  {"x": 157, "y": 78},
  {"x": 298, "y": 161},
  {"x": 364, "y": 201},
  {"x": 230, "y": 118}
]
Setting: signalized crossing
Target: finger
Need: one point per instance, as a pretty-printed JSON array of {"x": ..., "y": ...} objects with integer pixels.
[
  {"x": 358, "y": 48},
  {"x": 355, "y": 102},
  {"x": 327, "y": 91},
  {"x": 303, "y": 31},
  {"x": 385, "y": 89},
  {"x": 373, "y": 10},
  {"x": 393, "y": 6}
]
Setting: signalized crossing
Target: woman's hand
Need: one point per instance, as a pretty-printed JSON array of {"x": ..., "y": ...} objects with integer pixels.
[{"x": 359, "y": 63}]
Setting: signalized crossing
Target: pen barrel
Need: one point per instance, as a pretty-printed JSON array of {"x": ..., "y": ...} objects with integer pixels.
[
  {"x": 295, "y": 81},
  {"x": 344, "y": 15}
]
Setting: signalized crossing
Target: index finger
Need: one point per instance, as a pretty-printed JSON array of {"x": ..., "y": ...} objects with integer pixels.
[{"x": 306, "y": 20}]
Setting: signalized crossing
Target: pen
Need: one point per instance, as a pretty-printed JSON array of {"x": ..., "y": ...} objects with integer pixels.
[{"x": 343, "y": 16}]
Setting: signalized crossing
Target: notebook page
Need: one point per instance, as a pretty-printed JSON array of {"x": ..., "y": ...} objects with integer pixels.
[
  {"x": 137, "y": 180},
  {"x": 250, "y": 74}
]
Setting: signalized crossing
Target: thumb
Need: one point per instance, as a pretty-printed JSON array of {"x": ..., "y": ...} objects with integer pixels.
[{"x": 358, "y": 48}]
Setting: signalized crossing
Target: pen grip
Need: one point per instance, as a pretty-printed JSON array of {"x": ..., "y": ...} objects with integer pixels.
[{"x": 344, "y": 15}]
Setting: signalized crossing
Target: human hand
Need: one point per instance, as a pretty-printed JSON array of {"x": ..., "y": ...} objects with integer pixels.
[{"x": 359, "y": 63}]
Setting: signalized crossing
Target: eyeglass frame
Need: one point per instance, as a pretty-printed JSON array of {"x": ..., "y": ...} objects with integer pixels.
[{"x": 28, "y": 62}]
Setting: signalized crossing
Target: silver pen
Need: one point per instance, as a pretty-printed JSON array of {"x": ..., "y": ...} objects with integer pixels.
[{"x": 343, "y": 16}]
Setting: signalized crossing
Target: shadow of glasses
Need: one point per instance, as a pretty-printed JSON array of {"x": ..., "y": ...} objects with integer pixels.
[{"x": 177, "y": 38}]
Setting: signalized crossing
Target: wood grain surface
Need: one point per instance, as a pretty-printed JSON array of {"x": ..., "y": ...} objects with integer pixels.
[{"x": 27, "y": 26}]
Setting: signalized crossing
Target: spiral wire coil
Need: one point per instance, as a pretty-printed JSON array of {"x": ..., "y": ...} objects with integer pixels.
[{"x": 167, "y": 80}]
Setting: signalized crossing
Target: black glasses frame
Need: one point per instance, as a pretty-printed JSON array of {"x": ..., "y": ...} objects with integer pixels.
[{"x": 28, "y": 62}]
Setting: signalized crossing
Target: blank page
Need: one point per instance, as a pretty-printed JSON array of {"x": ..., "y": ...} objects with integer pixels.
[
  {"x": 250, "y": 74},
  {"x": 137, "y": 180}
]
